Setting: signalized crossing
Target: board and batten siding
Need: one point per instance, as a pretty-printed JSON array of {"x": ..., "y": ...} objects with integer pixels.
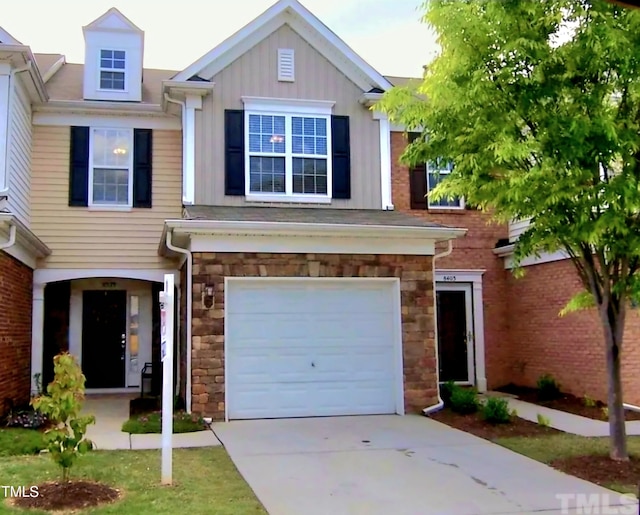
[
  {"x": 19, "y": 153},
  {"x": 82, "y": 238},
  {"x": 255, "y": 73}
]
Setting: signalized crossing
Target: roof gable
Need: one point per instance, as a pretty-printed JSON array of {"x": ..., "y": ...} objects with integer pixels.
[
  {"x": 112, "y": 20},
  {"x": 316, "y": 33},
  {"x": 7, "y": 39}
]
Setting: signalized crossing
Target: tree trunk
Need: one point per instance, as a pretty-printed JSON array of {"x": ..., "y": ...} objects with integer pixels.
[{"x": 613, "y": 328}]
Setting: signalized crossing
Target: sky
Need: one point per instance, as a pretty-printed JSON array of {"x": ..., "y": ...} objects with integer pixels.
[{"x": 387, "y": 34}]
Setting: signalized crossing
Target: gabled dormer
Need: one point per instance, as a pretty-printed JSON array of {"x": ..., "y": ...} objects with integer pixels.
[{"x": 114, "y": 49}]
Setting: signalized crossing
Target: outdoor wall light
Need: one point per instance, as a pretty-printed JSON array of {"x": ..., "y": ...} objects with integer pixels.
[{"x": 207, "y": 296}]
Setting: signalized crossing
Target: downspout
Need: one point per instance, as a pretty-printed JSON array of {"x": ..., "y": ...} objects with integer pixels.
[
  {"x": 12, "y": 238},
  {"x": 183, "y": 107},
  {"x": 189, "y": 259},
  {"x": 4, "y": 187},
  {"x": 440, "y": 404}
]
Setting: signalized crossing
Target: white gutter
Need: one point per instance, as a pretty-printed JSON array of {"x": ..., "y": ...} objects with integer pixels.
[
  {"x": 186, "y": 180},
  {"x": 12, "y": 238},
  {"x": 189, "y": 259},
  {"x": 313, "y": 229},
  {"x": 440, "y": 404}
]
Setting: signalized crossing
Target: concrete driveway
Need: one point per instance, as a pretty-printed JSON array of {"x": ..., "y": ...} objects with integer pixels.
[{"x": 394, "y": 465}]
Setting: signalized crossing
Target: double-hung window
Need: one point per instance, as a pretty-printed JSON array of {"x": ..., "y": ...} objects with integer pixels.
[
  {"x": 288, "y": 156},
  {"x": 112, "y": 69},
  {"x": 111, "y": 167},
  {"x": 436, "y": 172}
]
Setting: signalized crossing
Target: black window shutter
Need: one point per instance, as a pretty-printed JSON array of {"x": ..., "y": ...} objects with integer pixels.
[
  {"x": 418, "y": 181},
  {"x": 142, "y": 167},
  {"x": 79, "y": 167},
  {"x": 234, "y": 152},
  {"x": 341, "y": 157}
]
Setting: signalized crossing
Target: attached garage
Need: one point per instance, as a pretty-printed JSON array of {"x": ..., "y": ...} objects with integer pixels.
[{"x": 304, "y": 347}]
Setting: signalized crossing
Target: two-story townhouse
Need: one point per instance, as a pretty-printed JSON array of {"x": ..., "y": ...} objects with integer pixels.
[
  {"x": 261, "y": 179},
  {"x": 21, "y": 84},
  {"x": 313, "y": 275}
]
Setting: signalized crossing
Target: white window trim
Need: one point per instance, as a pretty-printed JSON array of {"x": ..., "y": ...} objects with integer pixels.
[
  {"x": 288, "y": 108},
  {"x": 428, "y": 171},
  {"x": 101, "y": 69},
  {"x": 110, "y": 207}
]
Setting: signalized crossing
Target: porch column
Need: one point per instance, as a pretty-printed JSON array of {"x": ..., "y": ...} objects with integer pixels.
[
  {"x": 37, "y": 334},
  {"x": 478, "y": 324}
]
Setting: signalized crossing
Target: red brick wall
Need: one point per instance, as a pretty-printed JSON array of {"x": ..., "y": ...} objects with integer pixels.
[
  {"x": 474, "y": 251},
  {"x": 570, "y": 348},
  {"x": 416, "y": 284},
  {"x": 16, "y": 282}
]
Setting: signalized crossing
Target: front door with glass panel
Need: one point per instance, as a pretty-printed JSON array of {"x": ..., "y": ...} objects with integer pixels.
[{"x": 455, "y": 333}]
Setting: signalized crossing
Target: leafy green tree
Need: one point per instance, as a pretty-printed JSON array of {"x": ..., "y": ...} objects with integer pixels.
[
  {"x": 62, "y": 404},
  {"x": 537, "y": 104}
]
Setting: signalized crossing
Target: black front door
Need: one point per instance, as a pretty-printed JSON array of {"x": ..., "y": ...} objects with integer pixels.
[
  {"x": 452, "y": 335},
  {"x": 104, "y": 318}
]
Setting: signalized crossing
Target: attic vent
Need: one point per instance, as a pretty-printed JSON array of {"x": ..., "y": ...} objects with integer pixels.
[{"x": 286, "y": 65}]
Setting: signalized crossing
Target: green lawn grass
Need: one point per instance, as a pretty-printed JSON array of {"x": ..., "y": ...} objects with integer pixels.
[
  {"x": 205, "y": 482},
  {"x": 549, "y": 448},
  {"x": 152, "y": 423},
  {"x": 18, "y": 441}
]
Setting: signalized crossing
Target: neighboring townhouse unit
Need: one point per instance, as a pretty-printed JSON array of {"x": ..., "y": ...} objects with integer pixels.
[{"x": 312, "y": 274}]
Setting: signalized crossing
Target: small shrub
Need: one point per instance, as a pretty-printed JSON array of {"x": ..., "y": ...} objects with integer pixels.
[
  {"x": 62, "y": 404},
  {"x": 464, "y": 401},
  {"x": 27, "y": 418},
  {"x": 446, "y": 390},
  {"x": 543, "y": 421},
  {"x": 605, "y": 412},
  {"x": 589, "y": 402},
  {"x": 496, "y": 411},
  {"x": 548, "y": 388}
]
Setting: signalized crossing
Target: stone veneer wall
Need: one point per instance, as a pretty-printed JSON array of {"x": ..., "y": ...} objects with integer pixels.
[{"x": 416, "y": 284}]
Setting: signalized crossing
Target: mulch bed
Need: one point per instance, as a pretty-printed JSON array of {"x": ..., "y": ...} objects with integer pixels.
[
  {"x": 569, "y": 403},
  {"x": 74, "y": 495},
  {"x": 475, "y": 425},
  {"x": 600, "y": 469}
]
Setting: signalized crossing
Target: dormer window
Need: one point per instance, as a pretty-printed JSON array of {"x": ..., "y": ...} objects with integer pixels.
[{"x": 112, "y": 69}]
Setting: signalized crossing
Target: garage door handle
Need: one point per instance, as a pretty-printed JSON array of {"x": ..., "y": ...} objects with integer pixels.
[{"x": 313, "y": 365}]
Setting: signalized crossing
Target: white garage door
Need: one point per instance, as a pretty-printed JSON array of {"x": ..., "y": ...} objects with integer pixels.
[{"x": 298, "y": 348}]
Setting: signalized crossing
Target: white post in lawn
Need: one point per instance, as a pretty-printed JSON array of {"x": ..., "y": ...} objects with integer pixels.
[{"x": 166, "y": 349}]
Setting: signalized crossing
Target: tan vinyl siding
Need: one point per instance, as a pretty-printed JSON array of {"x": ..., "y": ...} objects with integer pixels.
[
  {"x": 256, "y": 74},
  {"x": 19, "y": 154},
  {"x": 83, "y": 238}
]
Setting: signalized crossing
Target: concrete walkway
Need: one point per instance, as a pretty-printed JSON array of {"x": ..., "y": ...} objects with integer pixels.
[
  {"x": 402, "y": 465},
  {"x": 568, "y": 422},
  {"x": 111, "y": 411}
]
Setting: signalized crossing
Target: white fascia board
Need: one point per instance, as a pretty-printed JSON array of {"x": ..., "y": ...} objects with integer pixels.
[
  {"x": 214, "y": 227},
  {"x": 269, "y": 21},
  {"x": 20, "y": 56},
  {"x": 28, "y": 241},
  {"x": 288, "y": 105},
  {"x": 326, "y": 244},
  {"x": 506, "y": 252},
  {"x": 370, "y": 99}
]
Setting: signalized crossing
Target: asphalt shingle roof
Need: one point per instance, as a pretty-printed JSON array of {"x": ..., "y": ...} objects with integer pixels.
[{"x": 306, "y": 215}]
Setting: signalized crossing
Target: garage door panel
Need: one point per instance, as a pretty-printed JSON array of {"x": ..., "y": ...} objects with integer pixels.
[
  {"x": 310, "y": 348},
  {"x": 292, "y": 400},
  {"x": 324, "y": 364}
]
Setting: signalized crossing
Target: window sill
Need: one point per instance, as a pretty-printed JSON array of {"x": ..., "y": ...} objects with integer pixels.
[
  {"x": 291, "y": 199},
  {"x": 110, "y": 208}
]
